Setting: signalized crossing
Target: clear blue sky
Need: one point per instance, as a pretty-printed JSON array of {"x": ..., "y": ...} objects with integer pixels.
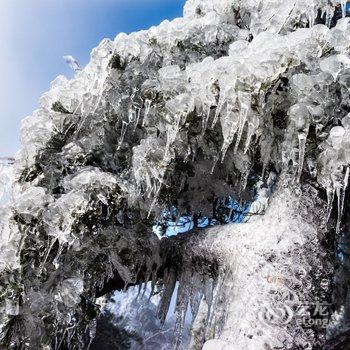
[{"x": 35, "y": 34}]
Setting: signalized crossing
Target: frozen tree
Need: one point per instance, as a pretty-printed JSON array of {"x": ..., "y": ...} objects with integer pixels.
[{"x": 190, "y": 113}]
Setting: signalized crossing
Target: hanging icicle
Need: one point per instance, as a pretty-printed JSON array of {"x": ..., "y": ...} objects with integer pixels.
[
  {"x": 329, "y": 15},
  {"x": 215, "y": 160},
  {"x": 244, "y": 102},
  {"x": 221, "y": 103},
  {"x": 330, "y": 199},
  {"x": 147, "y": 109},
  {"x": 124, "y": 129},
  {"x": 138, "y": 112},
  {"x": 312, "y": 14},
  {"x": 302, "y": 143},
  {"x": 341, "y": 191},
  {"x": 205, "y": 122}
]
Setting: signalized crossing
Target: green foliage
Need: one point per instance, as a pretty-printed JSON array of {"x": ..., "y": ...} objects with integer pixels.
[
  {"x": 29, "y": 174},
  {"x": 127, "y": 256},
  {"x": 59, "y": 108},
  {"x": 10, "y": 331},
  {"x": 187, "y": 45},
  {"x": 167, "y": 194},
  {"x": 116, "y": 62},
  {"x": 279, "y": 119},
  {"x": 111, "y": 337}
]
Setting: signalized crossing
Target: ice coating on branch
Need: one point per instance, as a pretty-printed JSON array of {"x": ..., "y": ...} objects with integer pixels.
[
  {"x": 72, "y": 62},
  {"x": 242, "y": 309},
  {"x": 6, "y": 179},
  {"x": 190, "y": 113}
]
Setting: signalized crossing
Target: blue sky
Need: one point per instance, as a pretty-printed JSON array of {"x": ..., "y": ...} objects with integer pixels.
[{"x": 35, "y": 34}]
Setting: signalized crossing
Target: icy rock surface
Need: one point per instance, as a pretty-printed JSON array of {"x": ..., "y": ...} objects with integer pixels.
[{"x": 186, "y": 113}]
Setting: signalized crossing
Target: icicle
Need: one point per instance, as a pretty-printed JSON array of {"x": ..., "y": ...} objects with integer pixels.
[
  {"x": 242, "y": 122},
  {"x": 311, "y": 20},
  {"x": 222, "y": 100},
  {"x": 169, "y": 286},
  {"x": 153, "y": 283},
  {"x": 126, "y": 285},
  {"x": 53, "y": 240},
  {"x": 182, "y": 300},
  {"x": 137, "y": 118},
  {"x": 171, "y": 136},
  {"x": 60, "y": 249},
  {"x": 148, "y": 185},
  {"x": 198, "y": 327},
  {"x": 134, "y": 90},
  {"x": 216, "y": 158},
  {"x": 346, "y": 183},
  {"x": 124, "y": 128},
  {"x": 341, "y": 198},
  {"x": 250, "y": 134},
  {"x": 224, "y": 149},
  {"x": 147, "y": 109},
  {"x": 244, "y": 102},
  {"x": 98, "y": 100},
  {"x": 217, "y": 305},
  {"x": 312, "y": 15},
  {"x": 154, "y": 198},
  {"x": 151, "y": 188},
  {"x": 132, "y": 115},
  {"x": 302, "y": 143},
  {"x": 330, "y": 199},
  {"x": 197, "y": 294},
  {"x": 253, "y": 124},
  {"x": 228, "y": 138},
  {"x": 138, "y": 291},
  {"x": 205, "y": 122},
  {"x": 210, "y": 296},
  {"x": 169, "y": 141},
  {"x": 145, "y": 287},
  {"x": 227, "y": 143},
  {"x": 244, "y": 181},
  {"x": 329, "y": 16}
]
